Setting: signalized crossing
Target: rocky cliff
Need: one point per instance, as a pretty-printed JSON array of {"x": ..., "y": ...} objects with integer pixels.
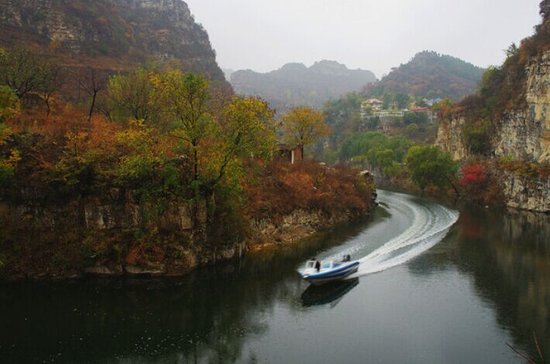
[
  {"x": 525, "y": 134},
  {"x": 109, "y": 34},
  {"x": 522, "y": 135},
  {"x": 115, "y": 235}
]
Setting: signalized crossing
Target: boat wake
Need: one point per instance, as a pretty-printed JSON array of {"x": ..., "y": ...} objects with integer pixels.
[{"x": 416, "y": 226}]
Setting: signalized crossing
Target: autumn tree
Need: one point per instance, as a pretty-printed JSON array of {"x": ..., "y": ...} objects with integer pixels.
[
  {"x": 303, "y": 126},
  {"x": 92, "y": 82},
  {"x": 443, "y": 108},
  {"x": 50, "y": 83},
  {"x": 246, "y": 131},
  {"x": 428, "y": 165},
  {"x": 186, "y": 97},
  {"x": 133, "y": 96},
  {"x": 9, "y": 107}
]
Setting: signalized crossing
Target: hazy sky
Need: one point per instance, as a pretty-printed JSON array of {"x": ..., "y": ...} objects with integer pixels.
[{"x": 371, "y": 34}]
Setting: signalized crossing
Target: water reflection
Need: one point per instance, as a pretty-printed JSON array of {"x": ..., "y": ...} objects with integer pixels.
[
  {"x": 213, "y": 315},
  {"x": 205, "y": 317},
  {"x": 329, "y": 293},
  {"x": 507, "y": 253}
]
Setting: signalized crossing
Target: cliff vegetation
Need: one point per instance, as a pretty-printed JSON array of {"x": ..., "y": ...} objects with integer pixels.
[
  {"x": 503, "y": 129},
  {"x": 163, "y": 174},
  {"x": 108, "y": 36}
]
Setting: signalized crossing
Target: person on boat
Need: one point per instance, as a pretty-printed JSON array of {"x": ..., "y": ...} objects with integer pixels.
[{"x": 317, "y": 265}]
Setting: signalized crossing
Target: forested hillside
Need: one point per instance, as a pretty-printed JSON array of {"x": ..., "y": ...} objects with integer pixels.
[
  {"x": 432, "y": 75},
  {"x": 109, "y": 35}
]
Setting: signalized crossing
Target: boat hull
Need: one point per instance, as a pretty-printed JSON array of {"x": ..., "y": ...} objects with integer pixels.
[{"x": 332, "y": 275}]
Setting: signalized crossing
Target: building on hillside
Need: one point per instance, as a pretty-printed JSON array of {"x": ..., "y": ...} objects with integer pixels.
[
  {"x": 291, "y": 155},
  {"x": 369, "y": 106},
  {"x": 373, "y": 104}
]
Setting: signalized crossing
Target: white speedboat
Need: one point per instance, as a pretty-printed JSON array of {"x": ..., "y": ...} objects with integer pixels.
[{"x": 317, "y": 272}]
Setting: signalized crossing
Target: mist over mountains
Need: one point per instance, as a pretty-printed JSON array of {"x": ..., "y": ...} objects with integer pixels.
[{"x": 295, "y": 84}]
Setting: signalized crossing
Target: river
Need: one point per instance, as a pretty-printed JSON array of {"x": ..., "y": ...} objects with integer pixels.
[{"x": 435, "y": 286}]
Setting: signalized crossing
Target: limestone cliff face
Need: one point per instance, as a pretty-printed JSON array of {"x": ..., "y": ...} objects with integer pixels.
[
  {"x": 110, "y": 34},
  {"x": 114, "y": 234},
  {"x": 449, "y": 138},
  {"x": 526, "y": 193},
  {"x": 522, "y": 135},
  {"x": 525, "y": 134}
]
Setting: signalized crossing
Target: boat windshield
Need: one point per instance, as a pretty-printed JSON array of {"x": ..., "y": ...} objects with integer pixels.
[{"x": 310, "y": 264}]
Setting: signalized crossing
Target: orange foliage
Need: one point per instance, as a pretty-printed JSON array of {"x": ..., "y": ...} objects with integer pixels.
[
  {"x": 63, "y": 119},
  {"x": 282, "y": 188}
]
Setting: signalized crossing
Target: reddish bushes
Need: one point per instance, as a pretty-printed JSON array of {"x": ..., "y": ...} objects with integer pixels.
[
  {"x": 479, "y": 184},
  {"x": 282, "y": 188}
]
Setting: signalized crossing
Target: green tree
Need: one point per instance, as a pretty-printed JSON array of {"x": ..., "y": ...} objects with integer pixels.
[
  {"x": 428, "y": 165},
  {"x": 343, "y": 116},
  {"x": 477, "y": 136},
  {"x": 415, "y": 117},
  {"x": 387, "y": 101},
  {"x": 247, "y": 131},
  {"x": 402, "y": 100},
  {"x": 303, "y": 126},
  {"x": 9, "y": 103},
  {"x": 8, "y": 161},
  {"x": 186, "y": 97}
]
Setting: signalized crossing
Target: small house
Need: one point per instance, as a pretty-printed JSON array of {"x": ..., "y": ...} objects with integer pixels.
[{"x": 291, "y": 155}]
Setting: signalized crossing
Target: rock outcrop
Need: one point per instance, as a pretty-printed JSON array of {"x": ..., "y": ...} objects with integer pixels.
[
  {"x": 116, "y": 235},
  {"x": 521, "y": 135}
]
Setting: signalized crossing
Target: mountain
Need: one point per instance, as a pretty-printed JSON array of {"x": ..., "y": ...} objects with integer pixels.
[
  {"x": 431, "y": 75},
  {"x": 110, "y": 35},
  {"x": 294, "y": 84}
]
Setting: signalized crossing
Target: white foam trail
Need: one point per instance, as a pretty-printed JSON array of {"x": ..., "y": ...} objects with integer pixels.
[{"x": 429, "y": 225}]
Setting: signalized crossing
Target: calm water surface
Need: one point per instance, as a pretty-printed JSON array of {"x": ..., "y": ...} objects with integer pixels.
[{"x": 439, "y": 295}]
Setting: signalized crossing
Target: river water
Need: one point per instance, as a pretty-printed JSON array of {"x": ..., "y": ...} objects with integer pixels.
[{"x": 435, "y": 286}]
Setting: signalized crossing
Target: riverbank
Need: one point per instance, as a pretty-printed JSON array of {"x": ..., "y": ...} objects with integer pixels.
[
  {"x": 117, "y": 233},
  {"x": 487, "y": 280}
]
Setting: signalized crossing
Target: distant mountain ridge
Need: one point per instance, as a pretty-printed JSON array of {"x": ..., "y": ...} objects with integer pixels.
[
  {"x": 109, "y": 34},
  {"x": 430, "y": 74},
  {"x": 295, "y": 84}
]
